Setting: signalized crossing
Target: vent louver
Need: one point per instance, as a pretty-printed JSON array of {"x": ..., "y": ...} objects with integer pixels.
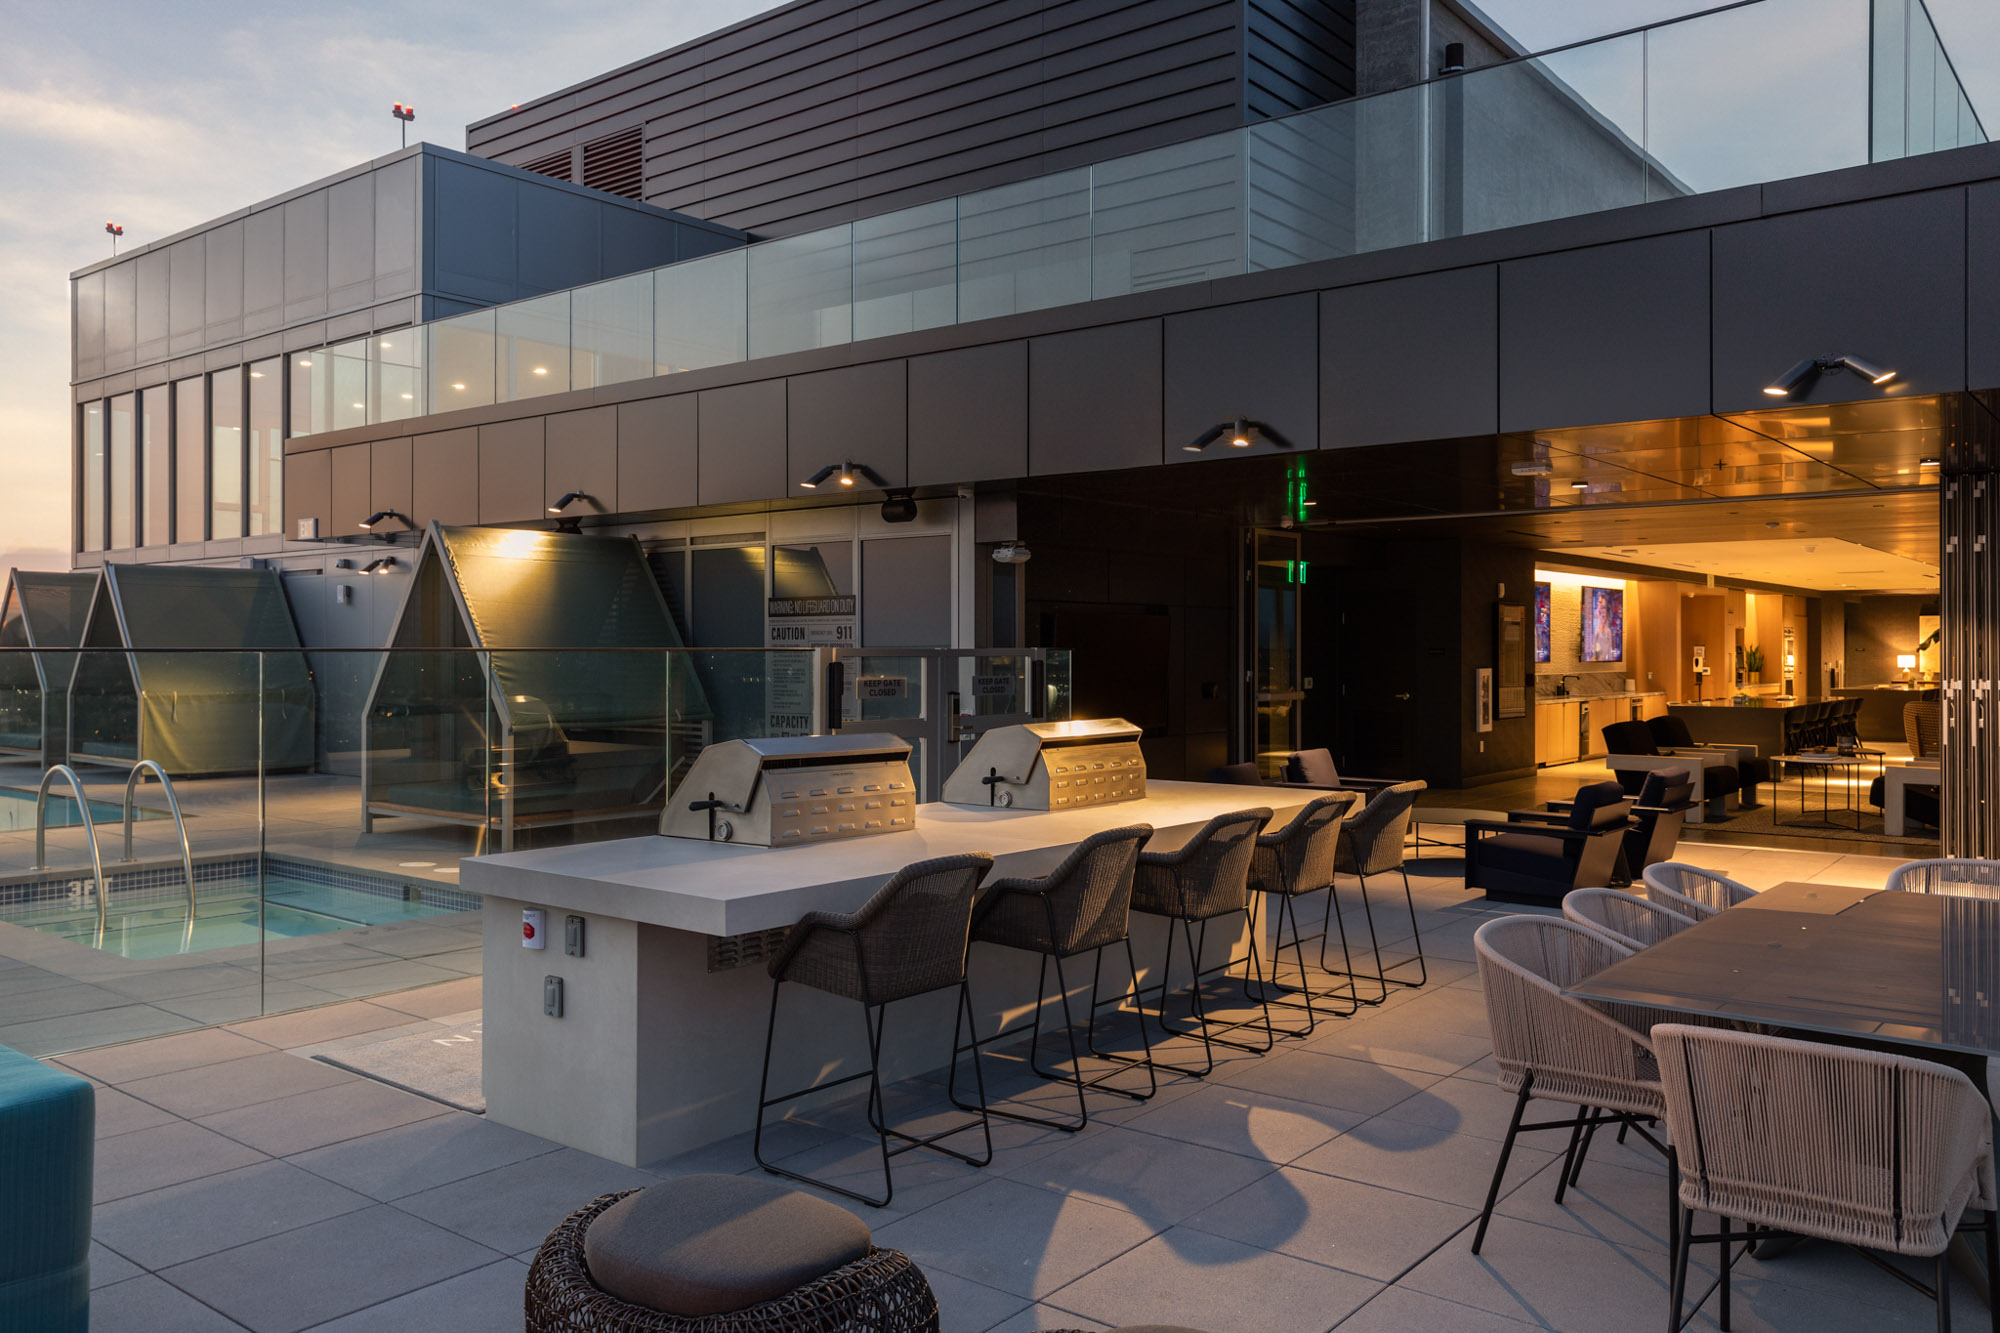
[
  {"x": 555, "y": 164},
  {"x": 615, "y": 164}
]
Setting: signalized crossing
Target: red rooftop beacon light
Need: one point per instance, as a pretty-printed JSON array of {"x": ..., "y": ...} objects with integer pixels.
[
  {"x": 115, "y": 232},
  {"x": 405, "y": 114}
]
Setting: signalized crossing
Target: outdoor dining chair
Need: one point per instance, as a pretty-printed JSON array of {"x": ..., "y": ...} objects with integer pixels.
[
  {"x": 909, "y": 939},
  {"x": 1692, "y": 891},
  {"x": 1876, "y": 1151},
  {"x": 1596, "y": 1058},
  {"x": 1961, "y": 877},
  {"x": 1373, "y": 841},
  {"x": 1082, "y": 906},
  {"x": 1627, "y": 920}
]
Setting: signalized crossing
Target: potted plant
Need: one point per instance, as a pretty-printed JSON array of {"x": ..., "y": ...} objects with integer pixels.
[{"x": 1753, "y": 663}]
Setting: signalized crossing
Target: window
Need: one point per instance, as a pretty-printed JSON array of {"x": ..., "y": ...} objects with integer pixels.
[
  {"x": 93, "y": 477},
  {"x": 190, "y": 461},
  {"x": 124, "y": 469},
  {"x": 156, "y": 475},
  {"x": 728, "y": 596},
  {"x": 225, "y": 454},
  {"x": 267, "y": 447}
]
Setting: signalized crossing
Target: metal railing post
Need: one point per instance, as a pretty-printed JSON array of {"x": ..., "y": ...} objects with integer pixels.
[
  {"x": 139, "y": 770},
  {"x": 89, "y": 831}
]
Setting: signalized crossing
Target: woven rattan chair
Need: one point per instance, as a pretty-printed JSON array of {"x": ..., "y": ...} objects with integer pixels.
[
  {"x": 1877, "y": 1151},
  {"x": 909, "y": 939},
  {"x": 1372, "y": 842},
  {"x": 1208, "y": 877},
  {"x": 1082, "y": 906},
  {"x": 1289, "y": 862},
  {"x": 882, "y": 1293},
  {"x": 1549, "y": 1045},
  {"x": 1692, "y": 891},
  {"x": 1628, "y": 921},
  {"x": 1961, "y": 877}
]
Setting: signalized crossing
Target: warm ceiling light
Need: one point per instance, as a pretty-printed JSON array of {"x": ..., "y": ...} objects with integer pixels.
[
  {"x": 1927, "y": 462},
  {"x": 306, "y": 361},
  {"x": 1241, "y": 432},
  {"x": 847, "y": 471},
  {"x": 1534, "y": 467},
  {"x": 459, "y": 387},
  {"x": 541, "y": 370},
  {"x": 256, "y": 374},
  {"x": 409, "y": 395},
  {"x": 1239, "y": 435},
  {"x": 383, "y": 343},
  {"x": 1579, "y": 485}
]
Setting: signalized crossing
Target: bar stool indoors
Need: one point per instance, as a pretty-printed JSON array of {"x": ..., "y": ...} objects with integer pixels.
[
  {"x": 909, "y": 939},
  {"x": 1082, "y": 906},
  {"x": 1372, "y": 843},
  {"x": 1208, "y": 877},
  {"x": 1289, "y": 862}
]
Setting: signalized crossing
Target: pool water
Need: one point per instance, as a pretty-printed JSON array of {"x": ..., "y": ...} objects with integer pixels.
[
  {"x": 17, "y": 811},
  {"x": 226, "y": 916}
]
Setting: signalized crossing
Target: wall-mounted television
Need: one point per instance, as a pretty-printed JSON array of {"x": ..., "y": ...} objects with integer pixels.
[
  {"x": 1542, "y": 636},
  {"x": 1603, "y": 624}
]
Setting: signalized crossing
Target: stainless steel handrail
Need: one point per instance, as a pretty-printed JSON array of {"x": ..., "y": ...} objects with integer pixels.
[
  {"x": 89, "y": 830},
  {"x": 139, "y": 770}
]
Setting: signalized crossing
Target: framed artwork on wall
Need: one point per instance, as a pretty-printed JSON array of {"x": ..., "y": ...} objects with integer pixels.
[
  {"x": 1482, "y": 699},
  {"x": 1603, "y": 624},
  {"x": 1542, "y": 638}
]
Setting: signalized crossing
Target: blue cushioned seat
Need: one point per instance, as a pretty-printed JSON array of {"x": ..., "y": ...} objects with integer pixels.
[{"x": 48, "y": 1128}]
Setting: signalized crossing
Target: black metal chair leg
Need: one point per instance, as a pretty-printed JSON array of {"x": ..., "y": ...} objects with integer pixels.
[
  {"x": 1677, "y": 1288},
  {"x": 1583, "y": 1149},
  {"x": 1722, "y": 1256},
  {"x": 1993, "y": 1270},
  {"x": 1500, "y": 1167},
  {"x": 1941, "y": 1274},
  {"x": 1569, "y": 1156},
  {"x": 764, "y": 1081},
  {"x": 1145, "y": 1056},
  {"x": 1338, "y": 920}
]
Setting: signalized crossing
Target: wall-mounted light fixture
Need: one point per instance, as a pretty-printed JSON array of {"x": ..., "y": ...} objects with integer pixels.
[
  {"x": 343, "y": 564},
  {"x": 386, "y": 565},
  {"x": 1241, "y": 433},
  {"x": 1805, "y": 372},
  {"x": 901, "y": 506},
  {"x": 1012, "y": 553},
  {"x": 568, "y": 498},
  {"x": 381, "y": 516},
  {"x": 846, "y": 473}
]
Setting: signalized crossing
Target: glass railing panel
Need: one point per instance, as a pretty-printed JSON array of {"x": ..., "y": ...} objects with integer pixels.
[
  {"x": 1166, "y": 217},
  {"x": 1391, "y": 181},
  {"x": 1889, "y": 81},
  {"x": 534, "y": 341},
  {"x": 1302, "y": 187},
  {"x": 700, "y": 313},
  {"x": 1539, "y": 139},
  {"x": 1761, "y": 93},
  {"x": 905, "y": 270},
  {"x": 347, "y": 384},
  {"x": 396, "y": 375},
  {"x": 802, "y": 292},
  {"x": 460, "y": 356},
  {"x": 1024, "y": 246},
  {"x": 611, "y": 332},
  {"x": 1056, "y": 684}
]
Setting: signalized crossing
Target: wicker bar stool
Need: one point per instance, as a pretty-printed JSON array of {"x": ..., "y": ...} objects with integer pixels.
[
  {"x": 1692, "y": 891},
  {"x": 1207, "y": 878},
  {"x": 1371, "y": 843},
  {"x": 1294, "y": 860},
  {"x": 909, "y": 939},
  {"x": 1084, "y": 905},
  {"x": 721, "y": 1254}
]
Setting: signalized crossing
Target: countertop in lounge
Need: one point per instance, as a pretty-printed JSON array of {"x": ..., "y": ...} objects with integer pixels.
[{"x": 731, "y": 889}]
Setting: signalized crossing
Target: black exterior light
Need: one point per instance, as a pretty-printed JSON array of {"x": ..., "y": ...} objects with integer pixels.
[
  {"x": 901, "y": 506},
  {"x": 385, "y": 565},
  {"x": 383, "y": 516},
  {"x": 845, "y": 472},
  {"x": 568, "y": 498},
  {"x": 1241, "y": 434},
  {"x": 1805, "y": 372}
]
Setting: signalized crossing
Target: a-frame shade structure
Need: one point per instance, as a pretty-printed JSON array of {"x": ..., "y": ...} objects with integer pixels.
[
  {"x": 176, "y": 661},
  {"x": 526, "y": 684},
  {"x": 42, "y": 611}
]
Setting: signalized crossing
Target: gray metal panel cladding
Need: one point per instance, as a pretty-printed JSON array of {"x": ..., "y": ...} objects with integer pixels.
[
  {"x": 1574, "y": 352},
  {"x": 828, "y": 110},
  {"x": 1413, "y": 358},
  {"x": 855, "y": 413}
]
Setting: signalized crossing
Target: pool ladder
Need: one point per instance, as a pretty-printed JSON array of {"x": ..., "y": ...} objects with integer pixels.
[{"x": 139, "y": 770}]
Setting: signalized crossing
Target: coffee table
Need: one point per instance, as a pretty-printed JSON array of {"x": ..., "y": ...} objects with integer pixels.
[{"x": 1825, "y": 764}]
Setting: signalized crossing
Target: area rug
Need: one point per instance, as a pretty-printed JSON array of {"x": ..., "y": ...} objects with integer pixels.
[{"x": 443, "y": 1065}]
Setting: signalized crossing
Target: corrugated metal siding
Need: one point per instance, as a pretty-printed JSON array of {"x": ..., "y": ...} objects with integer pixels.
[{"x": 827, "y": 110}]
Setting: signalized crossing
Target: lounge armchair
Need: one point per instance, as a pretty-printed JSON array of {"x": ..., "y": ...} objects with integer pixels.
[
  {"x": 1530, "y": 859},
  {"x": 1633, "y": 753},
  {"x": 1315, "y": 768},
  {"x": 1671, "y": 736},
  {"x": 1664, "y": 800}
]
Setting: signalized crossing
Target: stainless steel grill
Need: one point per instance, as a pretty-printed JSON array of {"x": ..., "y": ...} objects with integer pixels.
[
  {"x": 1051, "y": 766},
  {"x": 789, "y": 791}
]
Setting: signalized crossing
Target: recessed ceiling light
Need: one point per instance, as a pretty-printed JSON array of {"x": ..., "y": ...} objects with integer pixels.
[
  {"x": 1927, "y": 462},
  {"x": 541, "y": 370},
  {"x": 409, "y": 395},
  {"x": 458, "y": 386},
  {"x": 306, "y": 361},
  {"x": 256, "y": 374},
  {"x": 359, "y": 408},
  {"x": 384, "y": 342}
]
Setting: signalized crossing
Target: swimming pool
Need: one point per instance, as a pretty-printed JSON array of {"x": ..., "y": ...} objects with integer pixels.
[
  {"x": 226, "y": 916},
  {"x": 17, "y": 811}
]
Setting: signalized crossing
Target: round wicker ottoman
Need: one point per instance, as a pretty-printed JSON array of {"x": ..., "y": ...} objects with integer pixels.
[{"x": 883, "y": 1292}]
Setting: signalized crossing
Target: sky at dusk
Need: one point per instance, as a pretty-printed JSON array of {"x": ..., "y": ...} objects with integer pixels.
[{"x": 161, "y": 116}]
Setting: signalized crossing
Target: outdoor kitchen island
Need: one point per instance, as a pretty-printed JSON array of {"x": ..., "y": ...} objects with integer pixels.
[{"x": 661, "y": 1034}]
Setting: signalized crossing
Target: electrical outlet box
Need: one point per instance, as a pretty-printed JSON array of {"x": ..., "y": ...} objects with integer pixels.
[
  {"x": 343, "y": 594},
  {"x": 573, "y": 936},
  {"x": 552, "y": 996}
]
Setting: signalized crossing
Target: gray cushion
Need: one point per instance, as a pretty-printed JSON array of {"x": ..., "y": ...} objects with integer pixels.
[{"x": 709, "y": 1244}]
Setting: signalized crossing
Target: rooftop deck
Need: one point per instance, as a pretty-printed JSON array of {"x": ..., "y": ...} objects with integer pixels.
[{"x": 241, "y": 1184}]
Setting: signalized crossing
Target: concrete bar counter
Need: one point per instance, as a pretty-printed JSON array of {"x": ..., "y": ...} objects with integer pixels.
[{"x": 661, "y": 1036}]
